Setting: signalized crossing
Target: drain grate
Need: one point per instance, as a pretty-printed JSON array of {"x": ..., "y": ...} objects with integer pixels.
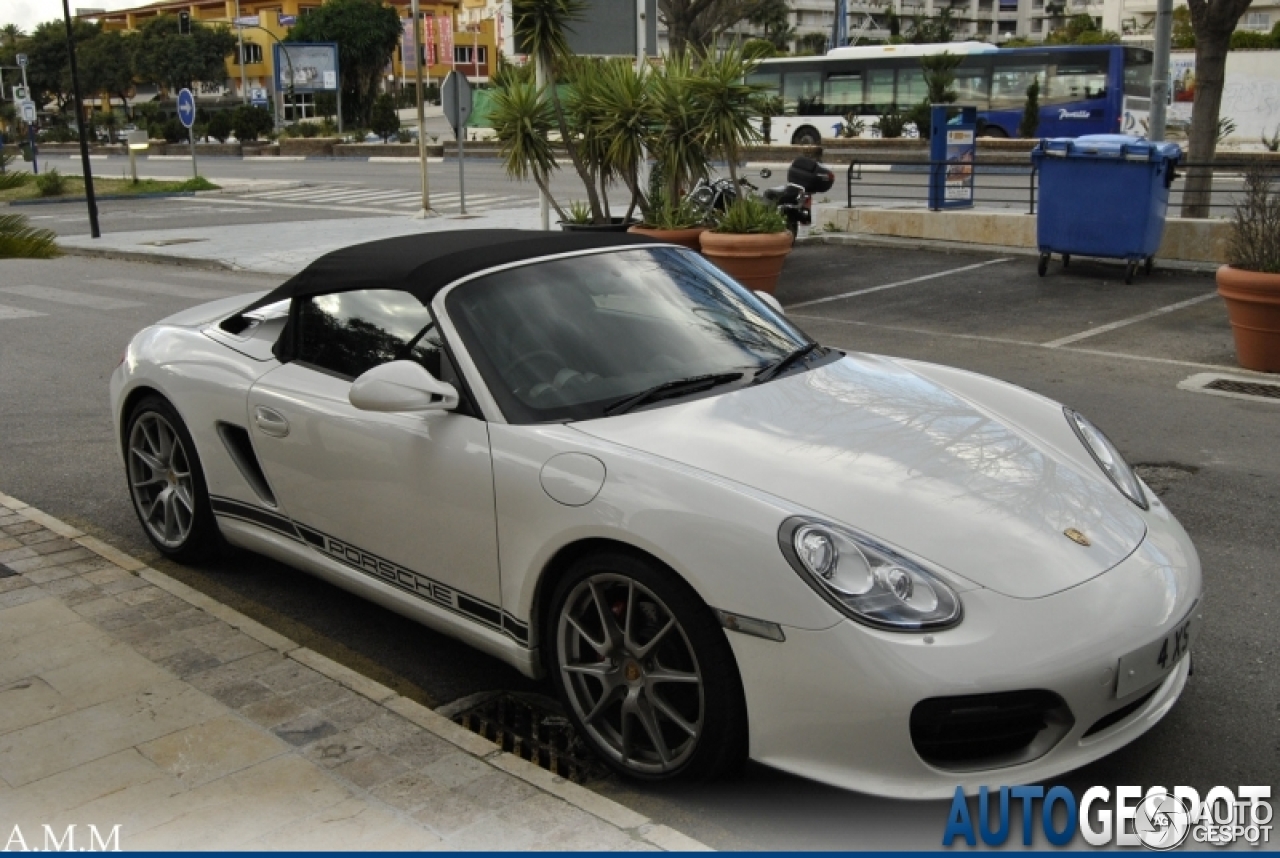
[
  {"x": 1248, "y": 388},
  {"x": 532, "y": 727}
]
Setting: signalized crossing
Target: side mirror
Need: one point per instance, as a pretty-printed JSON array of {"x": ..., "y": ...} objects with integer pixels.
[
  {"x": 773, "y": 303},
  {"x": 401, "y": 385},
  {"x": 765, "y": 172}
]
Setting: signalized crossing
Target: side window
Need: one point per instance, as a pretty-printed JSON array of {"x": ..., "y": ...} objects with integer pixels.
[
  {"x": 349, "y": 333},
  {"x": 844, "y": 93},
  {"x": 802, "y": 94},
  {"x": 1077, "y": 81},
  {"x": 880, "y": 89}
]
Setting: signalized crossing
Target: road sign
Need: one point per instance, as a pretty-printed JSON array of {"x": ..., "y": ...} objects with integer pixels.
[
  {"x": 247, "y": 21},
  {"x": 22, "y": 61},
  {"x": 186, "y": 108},
  {"x": 286, "y": 20},
  {"x": 19, "y": 92},
  {"x": 456, "y": 98},
  {"x": 28, "y": 111}
]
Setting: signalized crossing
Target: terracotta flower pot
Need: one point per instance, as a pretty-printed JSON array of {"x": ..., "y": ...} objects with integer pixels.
[
  {"x": 1253, "y": 305},
  {"x": 754, "y": 260},
  {"x": 683, "y": 237}
]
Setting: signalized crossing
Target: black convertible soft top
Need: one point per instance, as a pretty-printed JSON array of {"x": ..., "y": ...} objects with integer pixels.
[{"x": 424, "y": 264}]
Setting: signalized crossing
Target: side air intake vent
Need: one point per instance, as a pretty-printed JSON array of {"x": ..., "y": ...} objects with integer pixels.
[{"x": 236, "y": 440}]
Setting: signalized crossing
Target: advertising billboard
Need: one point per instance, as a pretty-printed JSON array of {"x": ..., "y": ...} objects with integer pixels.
[{"x": 307, "y": 67}]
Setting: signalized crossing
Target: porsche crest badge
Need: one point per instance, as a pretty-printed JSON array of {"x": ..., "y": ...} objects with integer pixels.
[{"x": 1076, "y": 536}]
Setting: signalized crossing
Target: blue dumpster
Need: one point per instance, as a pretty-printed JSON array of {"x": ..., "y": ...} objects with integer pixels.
[{"x": 1103, "y": 195}]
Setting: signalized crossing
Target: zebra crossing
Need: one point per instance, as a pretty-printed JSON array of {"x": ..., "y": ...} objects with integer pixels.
[{"x": 361, "y": 198}]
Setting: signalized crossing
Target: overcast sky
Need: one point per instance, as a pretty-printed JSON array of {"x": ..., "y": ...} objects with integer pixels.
[{"x": 27, "y": 13}]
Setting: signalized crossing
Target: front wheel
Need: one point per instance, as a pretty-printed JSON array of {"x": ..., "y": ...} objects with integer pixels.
[
  {"x": 167, "y": 483},
  {"x": 645, "y": 671},
  {"x": 806, "y": 136}
]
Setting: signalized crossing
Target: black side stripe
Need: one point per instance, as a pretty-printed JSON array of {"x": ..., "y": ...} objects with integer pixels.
[
  {"x": 407, "y": 580},
  {"x": 254, "y": 515}
]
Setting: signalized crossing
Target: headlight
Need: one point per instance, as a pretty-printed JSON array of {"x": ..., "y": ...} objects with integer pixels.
[
  {"x": 866, "y": 579},
  {"x": 1107, "y": 457}
]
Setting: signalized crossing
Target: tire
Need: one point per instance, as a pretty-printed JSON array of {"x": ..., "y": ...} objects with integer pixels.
[
  {"x": 608, "y": 678},
  {"x": 1130, "y": 269},
  {"x": 806, "y": 136},
  {"x": 1043, "y": 265},
  {"x": 166, "y": 483}
]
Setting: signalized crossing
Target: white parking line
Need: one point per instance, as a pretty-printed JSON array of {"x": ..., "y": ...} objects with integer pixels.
[
  {"x": 75, "y": 299},
  {"x": 1005, "y": 341},
  {"x": 1142, "y": 317},
  {"x": 7, "y": 312},
  {"x": 155, "y": 288},
  {"x": 871, "y": 289}
]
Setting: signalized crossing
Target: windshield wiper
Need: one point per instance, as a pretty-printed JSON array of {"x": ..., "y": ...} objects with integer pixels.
[
  {"x": 669, "y": 389},
  {"x": 788, "y": 360}
]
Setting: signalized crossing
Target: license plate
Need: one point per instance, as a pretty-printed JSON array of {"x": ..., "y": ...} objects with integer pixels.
[{"x": 1153, "y": 662}]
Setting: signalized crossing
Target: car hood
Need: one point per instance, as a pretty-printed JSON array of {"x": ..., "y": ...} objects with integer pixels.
[
  {"x": 867, "y": 442},
  {"x": 203, "y": 314}
]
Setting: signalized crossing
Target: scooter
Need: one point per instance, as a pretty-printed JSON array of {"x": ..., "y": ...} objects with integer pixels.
[{"x": 805, "y": 177}]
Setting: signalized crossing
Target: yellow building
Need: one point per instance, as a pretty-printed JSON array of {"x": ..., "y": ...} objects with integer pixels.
[{"x": 474, "y": 49}]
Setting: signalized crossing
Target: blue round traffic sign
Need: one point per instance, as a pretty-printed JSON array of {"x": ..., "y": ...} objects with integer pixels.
[{"x": 186, "y": 108}]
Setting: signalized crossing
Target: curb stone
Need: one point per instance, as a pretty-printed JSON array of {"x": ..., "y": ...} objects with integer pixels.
[
  {"x": 579, "y": 797},
  {"x": 142, "y": 256}
]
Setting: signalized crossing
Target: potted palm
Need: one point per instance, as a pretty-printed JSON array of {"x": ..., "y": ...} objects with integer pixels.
[
  {"x": 1250, "y": 283},
  {"x": 750, "y": 242}
]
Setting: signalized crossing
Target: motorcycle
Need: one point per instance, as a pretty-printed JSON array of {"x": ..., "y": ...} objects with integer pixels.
[{"x": 805, "y": 177}]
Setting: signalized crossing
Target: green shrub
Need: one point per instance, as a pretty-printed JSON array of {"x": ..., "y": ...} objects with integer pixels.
[
  {"x": 249, "y": 122},
  {"x": 1030, "y": 123},
  {"x": 219, "y": 127},
  {"x": 173, "y": 131},
  {"x": 579, "y": 212},
  {"x": 384, "y": 121},
  {"x": 51, "y": 183},
  {"x": 1244, "y": 40},
  {"x": 199, "y": 183},
  {"x": 20, "y": 241},
  {"x": 892, "y": 124},
  {"x": 751, "y": 215}
]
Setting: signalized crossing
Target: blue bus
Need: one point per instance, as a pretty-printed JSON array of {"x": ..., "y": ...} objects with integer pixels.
[{"x": 1093, "y": 89}]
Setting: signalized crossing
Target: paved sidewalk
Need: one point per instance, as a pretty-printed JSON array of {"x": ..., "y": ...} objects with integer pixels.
[
  {"x": 129, "y": 699},
  {"x": 278, "y": 248}
]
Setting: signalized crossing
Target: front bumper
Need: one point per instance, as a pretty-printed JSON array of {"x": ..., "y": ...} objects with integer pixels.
[{"x": 835, "y": 705}]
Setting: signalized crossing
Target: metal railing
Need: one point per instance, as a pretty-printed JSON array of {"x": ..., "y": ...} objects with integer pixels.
[{"x": 1016, "y": 186}]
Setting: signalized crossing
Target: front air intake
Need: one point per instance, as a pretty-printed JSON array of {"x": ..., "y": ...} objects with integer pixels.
[{"x": 988, "y": 730}]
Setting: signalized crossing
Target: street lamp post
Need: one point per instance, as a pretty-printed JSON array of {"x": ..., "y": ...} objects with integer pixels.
[
  {"x": 244, "y": 86},
  {"x": 418, "y": 59},
  {"x": 84, "y": 140}
]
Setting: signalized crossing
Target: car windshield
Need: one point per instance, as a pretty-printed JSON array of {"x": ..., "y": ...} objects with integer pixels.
[{"x": 565, "y": 339}]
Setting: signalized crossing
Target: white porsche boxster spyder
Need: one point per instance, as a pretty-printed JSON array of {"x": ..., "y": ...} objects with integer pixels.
[{"x": 601, "y": 460}]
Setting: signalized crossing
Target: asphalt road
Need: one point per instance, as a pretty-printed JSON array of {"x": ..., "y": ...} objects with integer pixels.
[{"x": 1216, "y": 461}]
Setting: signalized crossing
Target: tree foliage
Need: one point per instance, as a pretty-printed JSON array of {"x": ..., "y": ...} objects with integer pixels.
[
  {"x": 383, "y": 120},
  {"x": 939, "y": 80},
  {"x": 164, "y": 57},
  {"x": 1030, "y": 123},
  {"x": 367, "y": 33},
  {"x": 774, "y": 18},
  {"x": 698, "y": 24},
  {"x": 106, "y": 65},
  {"x": 1082, "y": 30},
  {"x": 48, "y": 66}
]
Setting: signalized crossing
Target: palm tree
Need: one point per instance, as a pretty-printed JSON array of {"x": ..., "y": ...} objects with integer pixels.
[{"x": 19, "y": 240}]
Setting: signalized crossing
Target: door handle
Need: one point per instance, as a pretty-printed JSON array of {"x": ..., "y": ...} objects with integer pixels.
[{"x": 270, "y": 421}]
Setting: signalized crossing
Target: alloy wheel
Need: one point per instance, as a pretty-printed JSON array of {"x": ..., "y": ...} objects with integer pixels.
[
  {"x": 631, "y": 674},
  {"x": 160, "y": 480}
]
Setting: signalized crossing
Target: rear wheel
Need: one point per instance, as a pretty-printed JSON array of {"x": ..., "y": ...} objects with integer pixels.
[
  {"x": 645, "y": 671},
  {"x": 167, "y": 483},
  {"x": 806, "y": 136},
  {"x": 993, "y": 131}
]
